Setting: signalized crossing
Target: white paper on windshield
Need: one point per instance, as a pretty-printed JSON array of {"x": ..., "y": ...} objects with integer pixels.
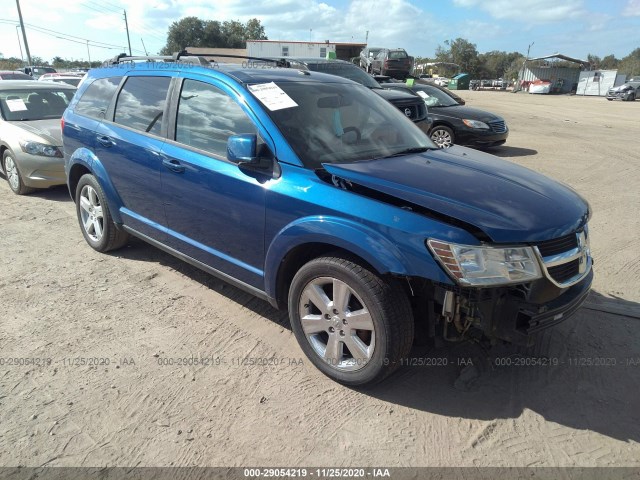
[
  {"x": 422, "y": 94},
  {"x": 16, "y": 105},
  {"x": 272, "y": 96}
]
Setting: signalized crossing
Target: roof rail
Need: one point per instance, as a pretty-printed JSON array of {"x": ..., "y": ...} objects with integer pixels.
[
  {"x": 188, "y": 57},
  {"x": 280, "y": 62},
  {"x": 181, "y": 56}
]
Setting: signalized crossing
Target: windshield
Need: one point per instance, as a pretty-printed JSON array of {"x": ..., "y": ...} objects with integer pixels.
[
  {"x": 34, "y": 104},
  {"x": 345, "y": 70},
  {"x": 341, "y": 123},
  {"x": 434, "y": 97}
]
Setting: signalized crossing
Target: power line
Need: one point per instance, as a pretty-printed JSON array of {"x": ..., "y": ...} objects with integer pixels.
[{"x": 54, "y": 33}]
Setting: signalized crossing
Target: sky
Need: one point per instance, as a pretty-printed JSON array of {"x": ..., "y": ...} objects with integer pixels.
[{"x": 95, "y": 29}]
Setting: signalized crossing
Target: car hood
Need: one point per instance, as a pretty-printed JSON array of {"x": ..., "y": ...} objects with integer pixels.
[
  {"x": 509, "y": 203},
  {"x": 621, "y": 88},
  {"x": 462, "y": 111},
  {"x": 395, "y": 95},
  {"x": 48, "y": 130}
]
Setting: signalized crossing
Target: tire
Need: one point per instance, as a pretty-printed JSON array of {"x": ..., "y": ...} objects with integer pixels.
[
  {"x": 327, "y": 331},
  {"x": 95, "y": 218},
  {"x": 442, "y": 136},
  {"x": 13, "y": 176},
  {"x": 632, "y": 97}
]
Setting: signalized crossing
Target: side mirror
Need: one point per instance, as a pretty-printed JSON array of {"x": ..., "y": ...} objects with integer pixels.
[{"x": 242, "y": 148}]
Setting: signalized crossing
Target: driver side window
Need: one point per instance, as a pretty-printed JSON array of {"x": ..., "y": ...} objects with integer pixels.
[{"x": 207, "y": 116}]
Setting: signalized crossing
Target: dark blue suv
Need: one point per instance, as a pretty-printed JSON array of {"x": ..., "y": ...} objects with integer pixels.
[{"x": 315, "y": 194}]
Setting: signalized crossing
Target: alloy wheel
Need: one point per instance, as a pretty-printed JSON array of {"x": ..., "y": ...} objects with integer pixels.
[
  {"x": 442, "y": 138},
  {"x": 11, "y": 171},
  {"x": 91, "y": 213},
  {"x": 337, "y": 324}
]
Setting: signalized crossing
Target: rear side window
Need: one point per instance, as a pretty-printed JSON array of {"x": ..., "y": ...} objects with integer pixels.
[
  {"x": 141, "y": 103},
  {"x": 95, "y": 99},
  {"x": 397, "y": 55},
  {"x": 207, "y": 117}
]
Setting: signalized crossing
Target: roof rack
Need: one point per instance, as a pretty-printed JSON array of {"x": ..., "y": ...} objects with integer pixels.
[{"x": 187, "y": 57}]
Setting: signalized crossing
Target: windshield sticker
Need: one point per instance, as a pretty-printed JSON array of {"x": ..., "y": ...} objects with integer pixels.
[
  {"x": 422, "y": 94},
  {"x": 16, "y": 105},
  {"x": 272, "y": 96}
]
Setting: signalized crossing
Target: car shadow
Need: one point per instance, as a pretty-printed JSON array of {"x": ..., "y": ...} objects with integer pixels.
[
  {"x": 557, "y": 378},
  {"x": 506, "y": 151},
  {"x": 138, "y": 250},
  {"x": 583, "y": 373},
  {"x": 58, "y": 193}
]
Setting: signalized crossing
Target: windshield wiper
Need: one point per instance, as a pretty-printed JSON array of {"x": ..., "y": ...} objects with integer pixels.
[{"x": 408, "y": 151}]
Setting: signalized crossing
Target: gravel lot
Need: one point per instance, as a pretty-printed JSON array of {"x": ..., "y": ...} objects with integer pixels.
[{"x": 138, "y": 308}]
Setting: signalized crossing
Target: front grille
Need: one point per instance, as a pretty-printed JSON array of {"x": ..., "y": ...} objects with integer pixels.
[
  {"x": 565, "y": 272},
  {"x": 498, "y": 126},
  {"x": 418, "y": 110},
  {"x": 558, "y": 245}
]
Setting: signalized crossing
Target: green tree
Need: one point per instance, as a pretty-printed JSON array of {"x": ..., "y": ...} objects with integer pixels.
[
  {"x": 610, "y": 62},
  {"x": 461, "y": 52},
  {"x": 254, "y": 30},
  {"x": 631, "y": 64},
  {"x": 195, "y": 32}
]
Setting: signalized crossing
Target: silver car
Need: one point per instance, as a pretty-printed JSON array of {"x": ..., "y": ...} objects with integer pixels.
[{"x": 30, "y": 136}]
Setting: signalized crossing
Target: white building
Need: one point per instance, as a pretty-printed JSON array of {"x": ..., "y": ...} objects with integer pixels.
[
  {"x": 598, "y": 82},
  {"x": 282, "y": 48}
]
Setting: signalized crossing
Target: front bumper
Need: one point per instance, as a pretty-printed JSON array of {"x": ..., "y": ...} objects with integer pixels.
[
  {"x": 516, "y": 318},
  {"x": 480, "y": 138},
  {"x": 40, "y": 172}
]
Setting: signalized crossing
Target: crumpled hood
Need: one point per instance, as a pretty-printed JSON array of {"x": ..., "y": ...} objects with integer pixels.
[
  {"x": 621, "y": 88},
  {"x": 48, "y": 130},
  {"x": 509, "y": 203}
]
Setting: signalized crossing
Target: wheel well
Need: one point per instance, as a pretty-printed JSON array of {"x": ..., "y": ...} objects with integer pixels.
[
  {"x": 3, "y": 148},
  {"x": 76, "y": 173},
  {"x": 440, "y": 123},
  {"x": 302, "y": 254}
]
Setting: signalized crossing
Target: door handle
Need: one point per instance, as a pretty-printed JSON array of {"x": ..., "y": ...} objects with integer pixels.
[
  {"x": 173, "y": 165},
  {"x": 105, "y": 141}
]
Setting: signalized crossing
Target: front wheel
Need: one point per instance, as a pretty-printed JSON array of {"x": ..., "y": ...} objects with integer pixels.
[
  {"x": 13, "y": 175},
  {"x": 94, "y": 217},
  {"x": 442, "y": 136},
  {"x": 354, "y": 326}
]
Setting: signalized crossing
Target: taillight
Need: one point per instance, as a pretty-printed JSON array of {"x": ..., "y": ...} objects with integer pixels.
[
  {"x": 386, "y": 64},
  {"x": 62, "y": 124}
]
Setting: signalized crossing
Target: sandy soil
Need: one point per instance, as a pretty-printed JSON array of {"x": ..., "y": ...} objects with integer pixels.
[{"x": 138, "y": 308}]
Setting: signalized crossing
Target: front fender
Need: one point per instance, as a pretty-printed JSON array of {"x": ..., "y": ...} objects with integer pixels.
[
  {"x": 354, "y": 237},
  {"x": 83, "y": 157}
]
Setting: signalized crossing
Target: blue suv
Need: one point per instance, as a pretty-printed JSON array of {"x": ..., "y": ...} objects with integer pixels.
[{"x": 314, "y": 193}]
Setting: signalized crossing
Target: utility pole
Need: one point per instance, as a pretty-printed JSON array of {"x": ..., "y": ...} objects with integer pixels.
[
  {"x": 19, "y": 43},
  {"x": 88, "y": 54},
  {"x": 24, "y": 34},
  {"x": 366, "y": 38},
  {"x": 126, "y": 25}
]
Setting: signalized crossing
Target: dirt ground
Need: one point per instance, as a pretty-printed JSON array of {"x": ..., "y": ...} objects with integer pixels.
[{"x": 134, "y": 310}]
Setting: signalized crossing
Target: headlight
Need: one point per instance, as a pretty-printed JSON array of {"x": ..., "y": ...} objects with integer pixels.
[
  {"x": 40, "y": 149},
  {"x": 486, "y": 266},
  {"x": 475, "y": 124}
]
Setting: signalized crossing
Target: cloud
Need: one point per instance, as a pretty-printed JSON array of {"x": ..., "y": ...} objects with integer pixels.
[
  {"x": 528, "y": 11},
  {"x": 632, "y": 9}
]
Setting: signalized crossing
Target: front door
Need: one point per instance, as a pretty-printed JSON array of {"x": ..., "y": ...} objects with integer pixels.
[{"x": 215, "y": 211}]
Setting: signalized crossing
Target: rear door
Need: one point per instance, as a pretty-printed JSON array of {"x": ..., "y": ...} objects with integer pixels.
[
  {"x": 82, "y": 119},
  {"x": 128, "y": 145}
]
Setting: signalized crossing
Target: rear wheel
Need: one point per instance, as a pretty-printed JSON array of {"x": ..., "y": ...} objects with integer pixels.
[
  {"x": 94, "y": 216},
  {"x": 354, "y": 326},
  {"x": 12, "y": 173},
  {"x": 442, "y": 136}
]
